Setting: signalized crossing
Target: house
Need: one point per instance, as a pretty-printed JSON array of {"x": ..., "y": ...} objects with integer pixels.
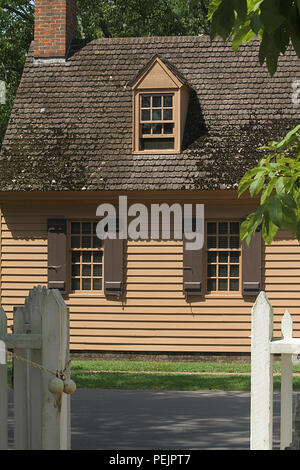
[{"x": 158, "y": 120}]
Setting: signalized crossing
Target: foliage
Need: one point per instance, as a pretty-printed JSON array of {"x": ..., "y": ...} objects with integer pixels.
[
  {"x": 131, "y": 18},
  {"x": 276, "y": 178},
  {"x": 276, "y": 22},
  {"x": 16, "y": 28}
]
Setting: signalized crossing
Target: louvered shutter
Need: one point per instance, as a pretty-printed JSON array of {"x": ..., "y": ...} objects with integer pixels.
[
  {"x": 57, "y": 254},
  {"x": 252, "y": 265},
  {"x": 192, "y": 272},
  {"x": 114, "y": 253}
]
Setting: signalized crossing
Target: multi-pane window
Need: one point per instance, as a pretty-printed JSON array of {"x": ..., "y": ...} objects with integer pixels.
[
  {"x": 156, "y": 121},
  {"x": 223, "y": 256},
  {"x": 86, "y": 257}
]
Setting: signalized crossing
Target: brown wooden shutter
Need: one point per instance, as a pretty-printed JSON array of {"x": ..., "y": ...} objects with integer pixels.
[
  {"x": 192, "y": 272},
  {"x": 252, "y": 265},
  {"x": 114, "y": 252},
  {"x": 57, "y": 254}
]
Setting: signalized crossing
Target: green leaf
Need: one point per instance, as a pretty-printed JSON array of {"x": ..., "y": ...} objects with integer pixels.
[
  {"x": 275, "y": 211},
  {"x": 243, "y": 35},
  {"x": 268, "y": 190},
  {"x": 298, "y": 231},
  {"x": 290, "y": 220},
  {"x": 288, "y": 201},
  {"x": 294, "y": 20},
  {"x": 256, "y": 185},
  {"x": 270, "y": 15},
  {"x": 243, "y": 187},
  {"x": 288, "y": 139},
  {"x": 269, "y": 230},
  {"x": 256, "y": 24},
  {"x": 240, "y": 7}
]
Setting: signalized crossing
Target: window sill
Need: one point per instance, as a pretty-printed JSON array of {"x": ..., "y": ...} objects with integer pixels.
[
  {"x": 85, "y": 293},
  {"x": 227, "y": 295},
  {"x": 156, "y": 152}
]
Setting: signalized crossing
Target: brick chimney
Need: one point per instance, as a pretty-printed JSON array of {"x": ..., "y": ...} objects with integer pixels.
[{"x": 55, "y": 26}]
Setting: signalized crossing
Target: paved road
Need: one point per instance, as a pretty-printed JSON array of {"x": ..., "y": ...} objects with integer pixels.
[
  {"x": 122, "y": 419},
  {"x": 156, "y": 420}
]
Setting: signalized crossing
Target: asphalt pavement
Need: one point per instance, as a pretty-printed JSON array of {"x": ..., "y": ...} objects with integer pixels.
[{"x": 156, "y": 420}]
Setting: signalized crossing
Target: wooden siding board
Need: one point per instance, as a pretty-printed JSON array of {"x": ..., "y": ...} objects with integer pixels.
[{"x": 155, "y": 315}]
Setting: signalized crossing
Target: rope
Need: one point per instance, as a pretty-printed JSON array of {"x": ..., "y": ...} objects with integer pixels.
[{"x": 60, "y": 374}]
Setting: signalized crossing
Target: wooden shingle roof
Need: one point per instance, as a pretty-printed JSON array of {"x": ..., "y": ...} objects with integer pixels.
[{"x": 71, "y": 126}]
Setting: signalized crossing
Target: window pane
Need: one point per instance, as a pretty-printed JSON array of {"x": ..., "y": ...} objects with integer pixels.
[
  {"x": 234, "y": 284},
  {"x": 157, "y": 128},
  {"x": 75, "y": 242},
  {"x": 145, "y": 114},
  {"x": 234, "y": 270},
  {"x": 97, "y": 284},
  {"x": 86, "y": 242},
  {"x": 156, "y": 115},
  {"x": 168, "y": 101},
  {"x": 97, "y": 269},
  {"x": 223, "y": 257},
  {"x": 168, "y": 128},
  {"x": 86, "y": 284},
  {"x": 76, "y": 270},
  {"x": 97, "y": 257},
  {"x": 211, "y": 228},
  {"x": 86, "y": 227},
  {"x": 75, "y": 227},
  {"x": 235, "y": 257},
  {"x": 223, "y": 270},
  {"x": 75, "y": 284},
  {"x": 86, "y": 269},
  {"x": 211, "y": 242},
  {"x": 212, "y": 257},
  {"x": 234, "y": 227},
  {"x": 156, "y": 102},
  {"x": 211, "y": 284},
  {"x": 86, "y": 257},
  {"x": 234, "y": 242},
  {"x": 223, "y": 284},
  {"x": 76, "y": 257},
  {"x": 212, "y": 270},
  {"x": 168, "y": 114},
  {"x": 145, "y": 101},
  {"x": 157, "y": 144},
  {"x": 146, "y": 129},
  {"x": 223, "y": 228},
  {"x": 223, "y": 242},
  {"x": 97, "y": 243}
]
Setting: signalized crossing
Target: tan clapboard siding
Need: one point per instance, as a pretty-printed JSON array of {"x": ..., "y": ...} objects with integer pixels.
[{"x": 155, "y": 315}]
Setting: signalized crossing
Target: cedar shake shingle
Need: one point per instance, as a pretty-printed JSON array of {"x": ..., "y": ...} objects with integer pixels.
[{"x": 71, "y": 125}]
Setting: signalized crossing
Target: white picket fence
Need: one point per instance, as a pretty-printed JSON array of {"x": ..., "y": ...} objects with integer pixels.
[
  {"x": 39, "y": 345},
  {"x": 263, "y": 348}
]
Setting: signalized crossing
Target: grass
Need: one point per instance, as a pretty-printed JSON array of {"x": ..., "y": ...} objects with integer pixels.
[{"x": 139, "y": 375}]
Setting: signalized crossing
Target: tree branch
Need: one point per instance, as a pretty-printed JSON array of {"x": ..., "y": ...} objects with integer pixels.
[{"x": 22, "y": 14}]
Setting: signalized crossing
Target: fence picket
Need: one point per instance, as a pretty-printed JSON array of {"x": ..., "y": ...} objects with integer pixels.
[
  {"x": 3, "y": 384},
  {"x": 21, "y": 434},
  {"x": 41, "y": 351}
]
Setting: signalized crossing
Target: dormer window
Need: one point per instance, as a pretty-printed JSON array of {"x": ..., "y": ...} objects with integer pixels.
[
  {"x": 157, "y": 125},
  {"x": 160, "y": 101}
]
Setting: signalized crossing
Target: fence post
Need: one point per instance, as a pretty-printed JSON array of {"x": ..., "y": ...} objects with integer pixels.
[
  {"x": 55, "y": 355},
  {"x": 261, "y": 432},
  {"x": 286, "y": 413},
  {"x": 3, "y": 384},
  {"x": 21, "y": 434}
]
